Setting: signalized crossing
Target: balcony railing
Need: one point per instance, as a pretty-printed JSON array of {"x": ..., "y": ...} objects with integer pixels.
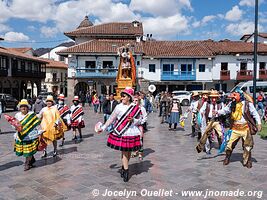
[
  {"x": 244, "y": 75},
  {"x": 96, "y": 73},
  {"x": 178, "y": 75},
  {"x": 3, "y": 72},
  {"x": 30, "y": 74},
  {"x": 225, "y": 75},
  {"x": 263, "y": 74}
]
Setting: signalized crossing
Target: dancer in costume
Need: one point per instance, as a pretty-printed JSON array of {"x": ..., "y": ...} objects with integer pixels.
[
  {"x": 207, "y": 111},
  {"x": 126, "y": 134},
  {"x": 65, "y": 114},
  {"x": 26, "y": 140},
  {"x": 174, "y": 112},
  {"x": 77, "y": 122},
  {"x": 243, "y": 113},
  {"x": 52, "y": 124}
]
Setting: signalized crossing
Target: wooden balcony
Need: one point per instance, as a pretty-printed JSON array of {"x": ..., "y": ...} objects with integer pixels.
[
  {"x": 225, "y": 75},
  {"x": 244, "y": 75},
  {"x": 263, "y": 74},
  {"x": 28, "y": 74}
]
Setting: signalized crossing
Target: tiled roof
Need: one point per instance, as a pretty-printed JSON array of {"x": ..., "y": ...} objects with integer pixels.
[
  {"x": 247, "y": 36},
  {"x": 85, "y": 23},
  {"x": 176, "y": 48},
  {"x": 101, "y": 47},
  {"x": 22, "y": 49},
  {"x": 17, "y": 54},
  {"x": 113, "y": 29},
  {"x": 55, "y": 64},
  {"x": 233, "y": 47}
]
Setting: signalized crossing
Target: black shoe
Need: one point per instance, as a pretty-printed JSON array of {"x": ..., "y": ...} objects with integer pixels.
[
  {"x": 32, "y": 161},
  {"x": 122, "y": 171},
  {"x": 62, "y": 144},
  {"x": 126, "y": 175},
  {"x": 74, "y": 138},
  {"x": 44, "y": 154},
  {"x": 55, "y": 154}
]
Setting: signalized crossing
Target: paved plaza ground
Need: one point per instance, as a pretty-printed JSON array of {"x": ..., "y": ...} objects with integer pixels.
[{"x": 84, "y": 170}]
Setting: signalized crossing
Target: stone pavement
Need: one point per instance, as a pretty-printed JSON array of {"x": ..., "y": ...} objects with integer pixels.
[{"x": 170, "y": 163}]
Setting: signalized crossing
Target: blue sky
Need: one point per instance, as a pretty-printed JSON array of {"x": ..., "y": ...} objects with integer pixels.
[{"x": 39, "y": 23}]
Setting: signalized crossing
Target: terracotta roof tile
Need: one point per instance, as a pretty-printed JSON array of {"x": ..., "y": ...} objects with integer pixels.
[
  {"x": 55, "y": 64},
  {"x": 115, "y": 28},
  {"x": 22, "y": 49},
  {"x": 101, "y": 47},
  {"x": 14, "y": 53}
]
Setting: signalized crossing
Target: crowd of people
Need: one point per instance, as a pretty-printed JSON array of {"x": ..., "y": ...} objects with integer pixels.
[{"x": 214, "y": 115}]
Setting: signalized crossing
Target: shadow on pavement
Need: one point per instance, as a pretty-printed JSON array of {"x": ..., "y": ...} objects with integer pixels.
[
  {"x": 46, "y": 161},
  {"x": 139, "y": 168},
  {"x": 148, "y": 151},
  {"x": 10, "y": 165},
  {"x": 67, "y": 150},
  {"x": 239, "y": 157},
  {"x": 7, "y": 132}
]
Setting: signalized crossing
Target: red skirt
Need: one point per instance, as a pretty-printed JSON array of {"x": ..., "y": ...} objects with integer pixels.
[
  {"x": 76, "y": 124},
  {"x": 124, "y": 143}
]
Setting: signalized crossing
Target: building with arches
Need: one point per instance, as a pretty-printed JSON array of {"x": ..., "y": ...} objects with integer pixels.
[{"x": 20, "y": 73}]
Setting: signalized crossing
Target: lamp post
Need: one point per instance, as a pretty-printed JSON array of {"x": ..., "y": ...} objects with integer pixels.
[{"x": 255, "y": 50}]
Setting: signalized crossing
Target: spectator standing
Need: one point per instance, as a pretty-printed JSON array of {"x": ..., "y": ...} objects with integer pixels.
[{"x": 38, "y": 105}]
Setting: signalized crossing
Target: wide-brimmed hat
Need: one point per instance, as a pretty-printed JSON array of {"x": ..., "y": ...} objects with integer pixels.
[
  {"x": 195, "y": 94},
  {"x": 76, "y": 98},
  {"x": 24, "y": 102},
  {"x": 50, "y": 98},
  {"x": 214, "y": 93},
  {"x": 61, "y": 97},
  {"x": 128, "y": 91}
]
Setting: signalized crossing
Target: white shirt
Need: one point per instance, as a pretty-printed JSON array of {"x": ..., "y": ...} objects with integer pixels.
[
  {"x": 193, "y": 106},
  {"x": 204, "y": 107}
]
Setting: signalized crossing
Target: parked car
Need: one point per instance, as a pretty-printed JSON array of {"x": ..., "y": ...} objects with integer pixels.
[
  {"x": 8, "y": 102},
  {"x": 183, "y": 96}
]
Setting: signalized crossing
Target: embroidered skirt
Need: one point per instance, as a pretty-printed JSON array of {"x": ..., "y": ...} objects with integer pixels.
[
  {"x": 174, "y": 118},
  {"x": 124, "y": 143},
  {"x": 26, "y": 148}
]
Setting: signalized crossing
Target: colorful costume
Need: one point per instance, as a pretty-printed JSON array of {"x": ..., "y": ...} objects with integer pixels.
[
  {"x": 240, "y": 110},
  {"x": 64, "y": 112},
  {"x": 125, "y": 135},
  {"x": 174, "y": 113},
  {"x": 77, "y": 116},
  {"x": 52, "y": 124},
  {"x": 26, "y": 141}
]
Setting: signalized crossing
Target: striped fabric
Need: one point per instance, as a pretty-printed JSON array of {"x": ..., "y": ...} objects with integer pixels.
[
  {"x": 26, "y": 148},
  {"x": 28, "y": 123},
  {"x": 77, "y": 113},
  {"x": 124, "y": 143}
]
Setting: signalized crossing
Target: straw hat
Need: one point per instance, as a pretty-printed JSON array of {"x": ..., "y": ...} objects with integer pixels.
[
  {"x": 195, "y": 94},
  {"x": 50, "y": 98},
  {"x": 24, "y": 102},
  {"x": 214, "y": 93}
]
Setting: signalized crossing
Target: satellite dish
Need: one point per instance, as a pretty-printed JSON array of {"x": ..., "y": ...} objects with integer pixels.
[{"x": 152, "y": 88}]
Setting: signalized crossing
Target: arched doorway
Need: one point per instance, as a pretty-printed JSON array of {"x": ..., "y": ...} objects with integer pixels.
[{"x": 81, "y": 87}]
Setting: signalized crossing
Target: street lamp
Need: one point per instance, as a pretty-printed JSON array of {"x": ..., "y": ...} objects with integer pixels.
[{"x": 255, "y": 49}]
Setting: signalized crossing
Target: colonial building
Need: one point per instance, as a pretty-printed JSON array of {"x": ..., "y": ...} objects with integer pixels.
[
  {"x": 56, "y": 77},
  {"x": 170, "y": 65},
  {"x": 21, "y": 74},
  {"x": 93, "y": 61},
  {"x": 262, "y": 38}
]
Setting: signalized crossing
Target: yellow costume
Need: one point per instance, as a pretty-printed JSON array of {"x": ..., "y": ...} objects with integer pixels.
[{"x": 52, "y": 124}]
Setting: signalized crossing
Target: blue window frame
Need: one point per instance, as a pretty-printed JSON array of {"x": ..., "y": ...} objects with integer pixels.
[{"x": 168, "y": 67}]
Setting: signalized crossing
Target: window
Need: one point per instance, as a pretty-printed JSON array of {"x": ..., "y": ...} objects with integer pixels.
[
  {"x": 61, "y": 77},
  {"x": 61, "y": 58},
  {"x": 168, "y": 67},
  {"x": 90, "y": 64},
  {"x": 22, "y": 64},
  {"x": 262, "y": 65},
  {"x": 54, "y": 76},
  {"x": 243, "y": 66},
  {"x": 224, "y": 66},
  {"x": 107, "y": 64},
  {"x": 29, "y": 66},
  {"x": 201, "y": 67},
  {"x": 152, "y": 68},
  {"x": 138, "y": 62},
  {"x": 186, "y": 67}
]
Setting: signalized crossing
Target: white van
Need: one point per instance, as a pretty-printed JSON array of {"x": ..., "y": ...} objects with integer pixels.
[{"x": 248, "y": 87}]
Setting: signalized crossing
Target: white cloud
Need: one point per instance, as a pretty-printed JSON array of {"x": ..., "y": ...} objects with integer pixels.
[
  {"x": 234, "y": 14},
  {"x": 48, "y": 32},
  {"x": 238, "y": 29},
  {"x": 15, "y": 36},
  {"x": 166, "y": 27},
  {"x": 249, "y": 3},
  {"x": 204, "y": 21},
  {"x": 5, "y": 13},
  {"x": 160, "y": 7},
  {"x": 4, "y": 28}
]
